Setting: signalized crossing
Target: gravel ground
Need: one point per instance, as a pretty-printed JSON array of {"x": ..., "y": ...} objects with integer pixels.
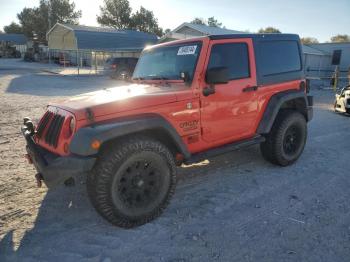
[{"x": 237, "y": 208}]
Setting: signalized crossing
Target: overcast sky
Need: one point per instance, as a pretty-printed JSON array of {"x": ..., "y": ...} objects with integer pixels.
[{"x": 321, "y": 19}]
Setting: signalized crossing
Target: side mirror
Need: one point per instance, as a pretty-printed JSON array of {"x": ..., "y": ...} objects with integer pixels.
[
  {"x": 185, "y": 76},
  {"x": 217, "y": 75}
]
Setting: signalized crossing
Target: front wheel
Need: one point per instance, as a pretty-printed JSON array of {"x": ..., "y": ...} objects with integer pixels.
[
  {"x": 132, "y": 182},
  {"x": 286, "y": 140}
]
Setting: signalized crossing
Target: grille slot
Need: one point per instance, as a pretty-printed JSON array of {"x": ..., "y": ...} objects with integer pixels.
[
  {"x": 52, "y": 123},
  {"x": 43, "y": 123}
]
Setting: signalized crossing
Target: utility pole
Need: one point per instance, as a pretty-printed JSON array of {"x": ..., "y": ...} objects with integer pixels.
[{"x": 49, "y": 13}]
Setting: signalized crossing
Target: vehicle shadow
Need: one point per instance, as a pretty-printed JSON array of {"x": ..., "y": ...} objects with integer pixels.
[
  {"x": 67, "y": 228},
  {"x": 41, "y": 84}
]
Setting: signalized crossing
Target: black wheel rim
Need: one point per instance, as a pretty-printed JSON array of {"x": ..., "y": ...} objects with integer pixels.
[
  {"x": 139, "y": 184},
  {"x": 291, "y": 141}
]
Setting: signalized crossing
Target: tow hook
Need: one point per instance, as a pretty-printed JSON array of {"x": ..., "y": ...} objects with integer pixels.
[
  {"x": 29, "y": 158},
  {"x": 39, "y": 179}
]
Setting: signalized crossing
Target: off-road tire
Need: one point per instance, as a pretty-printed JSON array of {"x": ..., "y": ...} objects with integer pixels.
[
  {"x": 112, "y": 167},
  {"x": 274, "y": 149}
]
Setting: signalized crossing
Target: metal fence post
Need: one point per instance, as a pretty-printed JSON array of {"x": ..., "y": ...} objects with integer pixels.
[
  {"x": 77, "y": 60},
  {"x": 95, "y": 64}
]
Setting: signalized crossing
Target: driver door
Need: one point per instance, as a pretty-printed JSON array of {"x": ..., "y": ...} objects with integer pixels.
[{"x": 231, "y": 112}]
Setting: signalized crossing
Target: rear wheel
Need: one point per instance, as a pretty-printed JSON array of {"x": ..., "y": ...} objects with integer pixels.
[
  {"x": 286, "y": 140},
  {"x": 132, "y": 182}
]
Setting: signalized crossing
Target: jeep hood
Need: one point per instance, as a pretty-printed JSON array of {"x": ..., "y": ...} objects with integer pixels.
[{"x": 119, "y": 99}]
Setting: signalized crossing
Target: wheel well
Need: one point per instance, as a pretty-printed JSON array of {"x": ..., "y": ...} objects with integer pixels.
[
  {"x": 158, "y": 134},
  {"x": 164, "y": 137},
  {"x": 298, "y": 104}
]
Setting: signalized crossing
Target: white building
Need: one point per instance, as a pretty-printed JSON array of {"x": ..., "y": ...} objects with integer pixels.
[
  {"x": 325, "y": 61},
  {"x": 188, "y": 30}
]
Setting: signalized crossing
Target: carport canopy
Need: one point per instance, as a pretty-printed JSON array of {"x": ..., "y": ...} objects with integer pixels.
[
  {"x": 79, "y": 37},
  {"x": 17, "y": 39}
]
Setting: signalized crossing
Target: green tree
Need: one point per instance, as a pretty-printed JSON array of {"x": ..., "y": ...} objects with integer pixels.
[
  {"x": 269, "y": 30},
  {"x": 13, "y": 28},
  {"x": 144, "y": 20},
  {"x": 118, "y": 14},
  {"x": 29, "y": 21},
  {"x": 60, "y": 11},
  {"x": 115, "y": 13},
  {"x": 37, "y": 21},
  {"x": 340, "y": 38},
  {"x": 213, "y": 22},
  {"x": 309, "y": 40},
  {"x": 198, "y": 21}
]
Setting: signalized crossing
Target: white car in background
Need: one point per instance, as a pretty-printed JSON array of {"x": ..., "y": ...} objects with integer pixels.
[{"x": 342, "y": 101}]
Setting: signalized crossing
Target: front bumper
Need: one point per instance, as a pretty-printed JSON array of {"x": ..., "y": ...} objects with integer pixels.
[{"x": 53, "y": 169}]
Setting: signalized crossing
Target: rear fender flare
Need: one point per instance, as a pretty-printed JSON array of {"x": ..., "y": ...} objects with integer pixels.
[{"x": 277, "y": 101}]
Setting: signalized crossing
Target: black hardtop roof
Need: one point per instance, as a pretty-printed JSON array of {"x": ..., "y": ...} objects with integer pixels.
[{"x": 257, "y": 36}]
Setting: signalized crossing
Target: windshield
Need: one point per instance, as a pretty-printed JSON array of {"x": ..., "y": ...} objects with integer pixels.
[{"x": 168, "y": 62}]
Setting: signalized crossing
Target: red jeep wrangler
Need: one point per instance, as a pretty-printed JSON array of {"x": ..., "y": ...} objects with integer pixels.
[{"x": 189, "y": 100}]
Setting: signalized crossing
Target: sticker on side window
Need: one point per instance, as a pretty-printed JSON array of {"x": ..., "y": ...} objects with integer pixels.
[{"x": 187, "y": 50}]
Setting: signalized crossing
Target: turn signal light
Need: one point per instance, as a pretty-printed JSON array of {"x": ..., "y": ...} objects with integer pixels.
[{"x": 95, "y": 144}]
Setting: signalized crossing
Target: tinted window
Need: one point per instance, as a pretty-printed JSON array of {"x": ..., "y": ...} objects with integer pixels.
[
  {"x": 279, "y": 57},
  {"x": 233, "y": 56}
]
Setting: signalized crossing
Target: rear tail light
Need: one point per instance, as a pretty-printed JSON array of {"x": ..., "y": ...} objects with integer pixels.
[{"x": 114, "y": 66}]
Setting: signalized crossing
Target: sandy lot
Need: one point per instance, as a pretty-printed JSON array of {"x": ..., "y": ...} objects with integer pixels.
[{"x": 237, "y": 208}]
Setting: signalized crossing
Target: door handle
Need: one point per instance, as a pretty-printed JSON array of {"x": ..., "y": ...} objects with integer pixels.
[{"x": 250, "y": 88}]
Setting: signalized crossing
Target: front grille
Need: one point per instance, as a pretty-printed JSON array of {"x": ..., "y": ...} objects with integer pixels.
[{"x": 52, "y": 123}]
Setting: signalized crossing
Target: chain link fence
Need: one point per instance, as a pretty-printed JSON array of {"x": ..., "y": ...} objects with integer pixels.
[{"x": 83, "y": 61}]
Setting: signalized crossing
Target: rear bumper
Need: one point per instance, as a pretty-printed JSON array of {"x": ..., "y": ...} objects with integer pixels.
[{"x": 55, "y": 169}]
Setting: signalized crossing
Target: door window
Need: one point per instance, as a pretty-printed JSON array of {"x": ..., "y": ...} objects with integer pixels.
[{"x": 234, "y": 56}]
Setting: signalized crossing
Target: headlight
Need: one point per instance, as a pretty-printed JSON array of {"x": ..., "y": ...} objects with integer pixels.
[
  {"x": 72, "y": 125},
  {"x": 69, "y": 127}
]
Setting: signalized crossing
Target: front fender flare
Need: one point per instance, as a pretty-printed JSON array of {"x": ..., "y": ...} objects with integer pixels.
[{"x": 81, "y": 142}]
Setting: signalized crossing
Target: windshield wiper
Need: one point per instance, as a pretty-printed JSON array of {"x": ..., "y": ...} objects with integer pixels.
[
  {"x": 159, "y": 78},
  {"x": 138, "y": 78},
  {"x": 155, "y": 77}
]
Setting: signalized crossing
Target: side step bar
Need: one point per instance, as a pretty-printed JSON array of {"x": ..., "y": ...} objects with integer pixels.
[{"x": 224, "y": 149}]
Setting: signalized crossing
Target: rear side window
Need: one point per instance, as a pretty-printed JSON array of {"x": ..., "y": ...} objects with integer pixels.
[
  {"x": 279, "y": 57},
  {"x": 234, "y": 56}
]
